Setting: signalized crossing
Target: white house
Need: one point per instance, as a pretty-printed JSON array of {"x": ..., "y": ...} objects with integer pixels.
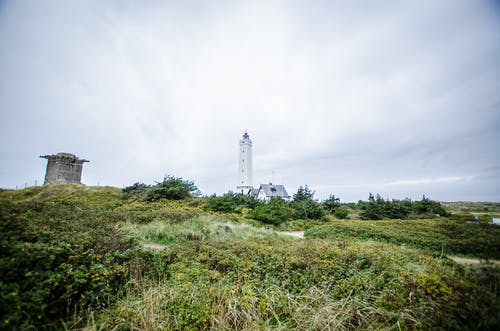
[{"x": 267, "y": 191}]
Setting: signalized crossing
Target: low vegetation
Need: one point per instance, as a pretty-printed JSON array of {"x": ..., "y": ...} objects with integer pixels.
[
  {"x": 445, "y": 236},
  {"x": 75, "y": 257}
]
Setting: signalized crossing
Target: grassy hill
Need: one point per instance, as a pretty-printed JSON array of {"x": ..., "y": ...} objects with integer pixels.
[{"x": 72, "y": 257}]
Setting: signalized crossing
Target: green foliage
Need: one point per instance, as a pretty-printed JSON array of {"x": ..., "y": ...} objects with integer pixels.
[
  {"x": 172, "y": 188},
  {"x": 472, "y": 207},
  {"x": 275, "y": 211},
  {"x": 201, "y": 228},
  {"x": 377, "y": 208},
  {"x": 224, "y": 203},
  {"x": 230, "y": 202},
  {"x": 303, "y": 194},
  {"x": 55, "y": 258},
  {"x": 427, "y": 206},
  {"x": 307, "y": 209},
  {"x": 439, "y": 235},
  {"x": 69, "y": 260},
  {"x": 139, "y": 189},
  {"x": 331, "y": 204},
  {"x": 342, "y": 213},
  {"x": 303, "y": 205},
  {"x": 244, "y": 200},
  {"x": 296, "y": 284}
]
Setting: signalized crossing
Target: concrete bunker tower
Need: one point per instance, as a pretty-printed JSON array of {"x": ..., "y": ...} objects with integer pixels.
[
  {"x": 63, "y": 168},
  {"x": 245, "y": 181}
]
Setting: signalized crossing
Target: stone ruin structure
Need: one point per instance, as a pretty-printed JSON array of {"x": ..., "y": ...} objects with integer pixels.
[{"x": 63, "y": 168}]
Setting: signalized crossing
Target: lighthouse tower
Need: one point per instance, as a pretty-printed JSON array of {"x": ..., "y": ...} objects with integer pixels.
[{"x": 245, "y": 168}]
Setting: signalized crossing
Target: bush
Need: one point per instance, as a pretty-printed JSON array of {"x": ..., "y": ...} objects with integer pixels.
[
  {"x": 139, "y": 189},
  {"x": 244, "y": 200},
  {"x": 56, "y": 260},
  {"x": 275, "y": 211},
  {"x": 443, "y": 236},
  {"x": 307, "y": 209},
  {"x": 303, "y": 205},
  {"x": 224, "y": 204},
  {"x": 172, "y": 188},
  {"x": 377, "y": 208},
  {"x": 427, "y": 206},
  {"x": 342, "y": 213},
  {"x": 303, "y": 194},
  {"x": 331, "y": 204}
]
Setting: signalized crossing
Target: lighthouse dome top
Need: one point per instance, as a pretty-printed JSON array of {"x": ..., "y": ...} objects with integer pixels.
[{"x": 246, "y": 136}]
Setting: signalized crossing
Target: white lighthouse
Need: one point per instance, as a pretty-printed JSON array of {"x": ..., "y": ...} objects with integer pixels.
[{"x": 245, "y": 169}]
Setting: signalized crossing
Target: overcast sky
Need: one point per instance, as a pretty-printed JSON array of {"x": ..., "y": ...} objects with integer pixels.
[{"x": 400, "y": 98}]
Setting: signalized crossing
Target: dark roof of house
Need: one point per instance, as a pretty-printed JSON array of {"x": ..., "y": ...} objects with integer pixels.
[
  {"x": 271, "y": 190},
  {"x": 253, "y": 192}
]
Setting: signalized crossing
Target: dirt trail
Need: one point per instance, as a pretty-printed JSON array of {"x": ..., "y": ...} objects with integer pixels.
[
  {"x": 464, "y": 260},
  {"x": 154, "y": 246},
  {"x": 296, "y": 234}
]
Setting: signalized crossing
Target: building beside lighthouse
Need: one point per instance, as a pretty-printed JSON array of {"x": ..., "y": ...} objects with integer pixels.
[{"x": 245, "y": 176}]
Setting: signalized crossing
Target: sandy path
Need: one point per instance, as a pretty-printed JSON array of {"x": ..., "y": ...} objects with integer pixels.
[
  {"x": 465, "y": 260},
  {"x": 296, "y": 234},
  {"x": 154, "y": 246}
]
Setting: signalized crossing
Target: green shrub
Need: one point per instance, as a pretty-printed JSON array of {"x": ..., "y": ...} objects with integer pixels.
[
  {"x": 275, "y": 211},
  {"x": 55, "y": 261},
  {"x": 223, "y": 204},
  {"x": 244, "y": 200},
  {"x": 172, "y": 188},
  {"x": 439, "y": 235},
  {"x": 342, "y": 213},
  {"x": 305, "y": 284},
  {"x": 376, "y": 208},
  {"x": 304, "y": 206},
  {"x": 331, "y": 204},
  {"x": 307, "y": 209},
  {"x": 139, "y": 189}
]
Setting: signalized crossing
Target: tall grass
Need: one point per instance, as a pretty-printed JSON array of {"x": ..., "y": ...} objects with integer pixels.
[
  {"x": 303, "y": 285},
  {"x": 206, "y": 228},
  {"x": 477, "y": 239},
  {"x": 69, "y": 258}
]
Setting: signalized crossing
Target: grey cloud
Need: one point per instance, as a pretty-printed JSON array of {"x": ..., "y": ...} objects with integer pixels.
[{"x": 347, "y": 98}]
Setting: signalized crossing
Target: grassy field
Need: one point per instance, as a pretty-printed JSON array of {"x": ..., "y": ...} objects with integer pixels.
[
  {"x": 72, "y": 257},
  {"x": 473, "y": 207},
  {"x": 445, "y": 236}
]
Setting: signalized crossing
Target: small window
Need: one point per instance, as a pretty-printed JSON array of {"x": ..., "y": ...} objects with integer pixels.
[{"x": 273, "y": 190}]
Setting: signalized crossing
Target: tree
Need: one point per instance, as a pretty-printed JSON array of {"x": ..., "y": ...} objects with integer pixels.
[
  {"x": 275, "y": 211},
  {"x": 342, "y": 213},
  {"x": 307, "y": 209},
  {"x": 244, "y": 200},
  {"x": 303, "y": 205},
  {"x": 172, "y": 188},
  {"x": 398, "y": 208},
  {"x": 223, "y": 204},
  {"x": 373, "y": 209},
  {"x": 303, "y": 194},
  {"x": 139, "y": 189},
  {"x": 331, "y": 204},
  {"x": 429, "y": 207}
]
